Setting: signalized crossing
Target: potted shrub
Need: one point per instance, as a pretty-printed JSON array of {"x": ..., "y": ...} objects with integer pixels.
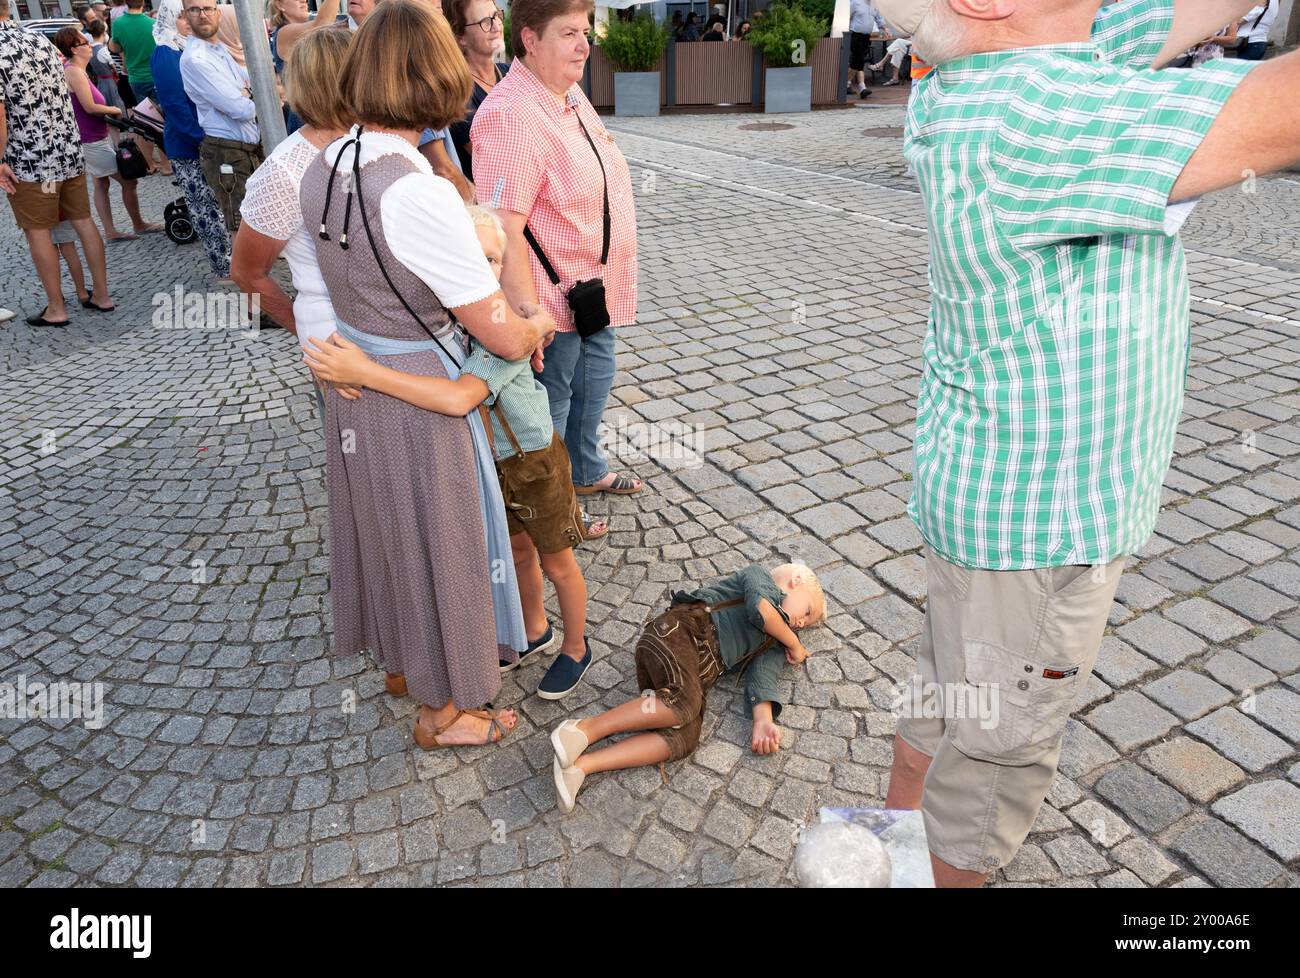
[
  {"x": 634, "y": 47},
  {"x": 786, "y": 37}
]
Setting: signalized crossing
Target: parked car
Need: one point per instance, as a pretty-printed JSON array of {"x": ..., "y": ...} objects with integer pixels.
[{"x": 51, "y": 26}]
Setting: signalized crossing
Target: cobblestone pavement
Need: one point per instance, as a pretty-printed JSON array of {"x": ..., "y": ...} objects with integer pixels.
[{"x": 783, "y": 300}]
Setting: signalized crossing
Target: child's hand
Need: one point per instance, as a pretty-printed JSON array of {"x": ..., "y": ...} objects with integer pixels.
[
  {"x": 347, "y": 393},
  {"x": 796, "y": 654},
  {"x": 766, "y": 738},
  {"x": 338, "y": 361}
]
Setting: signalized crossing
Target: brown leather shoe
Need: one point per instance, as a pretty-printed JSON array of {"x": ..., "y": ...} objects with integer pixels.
[{"x": 395, "y": 683}]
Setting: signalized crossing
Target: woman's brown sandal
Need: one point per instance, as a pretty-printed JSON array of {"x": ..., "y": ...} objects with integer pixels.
[
  {"x": 395, "y": 683},
  {"x": 620, "y": 486},
  {"x": 429, "y": 739}
]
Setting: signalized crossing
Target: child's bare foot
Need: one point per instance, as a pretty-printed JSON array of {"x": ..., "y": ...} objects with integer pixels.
[
  {"x": 767, "y": 737},
  {"x": 471, "y": 727}
]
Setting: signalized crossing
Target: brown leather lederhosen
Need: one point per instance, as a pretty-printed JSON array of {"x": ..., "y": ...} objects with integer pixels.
[
  {"x": 677, "y": 657},
  {"x": 537, "y": 488}
]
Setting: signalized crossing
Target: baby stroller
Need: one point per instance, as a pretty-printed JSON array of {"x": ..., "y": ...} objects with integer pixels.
[{"x": 176, "y": 215}]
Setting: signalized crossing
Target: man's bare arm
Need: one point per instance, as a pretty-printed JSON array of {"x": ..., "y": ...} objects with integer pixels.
[
  {"x": 1256, "y": 132},
  {"x": 1194, "y": 21}
]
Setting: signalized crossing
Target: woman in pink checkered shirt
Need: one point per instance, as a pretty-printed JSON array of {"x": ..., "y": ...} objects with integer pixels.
[{"x": 534, "y": 163}]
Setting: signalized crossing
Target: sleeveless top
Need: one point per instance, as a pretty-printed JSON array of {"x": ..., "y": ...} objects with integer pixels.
[{"x": 92, "y": 127}]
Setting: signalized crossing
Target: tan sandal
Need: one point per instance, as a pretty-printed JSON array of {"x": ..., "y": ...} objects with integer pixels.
[
  {"x": 621, "y": 485},
  {"x": 429, "y": 739},
  {"x": 395, "y": 683}
]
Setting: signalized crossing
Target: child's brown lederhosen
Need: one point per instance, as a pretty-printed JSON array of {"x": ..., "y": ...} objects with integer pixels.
[
  {"x": 537, "y": 488},
  {"x": 677, "y": 657}
]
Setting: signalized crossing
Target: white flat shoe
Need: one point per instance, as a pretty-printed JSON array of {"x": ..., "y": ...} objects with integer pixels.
[
  {"x": 569, "y": 742},
  {"x": 568, "y": 782},
  {"x": 6, "y": 315}
]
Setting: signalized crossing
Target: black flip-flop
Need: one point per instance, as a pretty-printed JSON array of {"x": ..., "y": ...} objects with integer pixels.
[
  {"x": 40, "y": 320},
  {"x": 90, "y": 304}
]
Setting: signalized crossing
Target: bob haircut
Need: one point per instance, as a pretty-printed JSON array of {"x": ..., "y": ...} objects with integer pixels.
[
  {"x": 311, "y": 78},
  {"x": 404, "y": 69}
]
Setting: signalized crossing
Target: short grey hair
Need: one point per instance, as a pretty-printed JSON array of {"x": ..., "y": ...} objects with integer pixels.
[{"x": 941, "y": 35}]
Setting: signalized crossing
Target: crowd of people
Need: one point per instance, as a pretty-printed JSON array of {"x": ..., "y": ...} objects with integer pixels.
[
  {"x": 461, "y": 338},
  {"x": 461, "y": 238},
  {"x": 689, "y": 27}
]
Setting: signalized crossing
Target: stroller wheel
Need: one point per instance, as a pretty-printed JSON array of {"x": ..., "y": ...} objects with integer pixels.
[{"x": 180, "y": 229}]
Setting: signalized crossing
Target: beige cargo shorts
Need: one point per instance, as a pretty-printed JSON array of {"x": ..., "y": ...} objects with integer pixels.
[{"x": 1004, "y": 656}]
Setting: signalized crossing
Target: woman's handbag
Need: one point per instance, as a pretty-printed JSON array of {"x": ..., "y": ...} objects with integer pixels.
[
  {"x": 131, "y": 164},
  {"x": 586, "y": 297}
]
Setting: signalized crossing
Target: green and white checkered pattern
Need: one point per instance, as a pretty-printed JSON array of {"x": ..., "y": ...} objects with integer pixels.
[
  {"x": 1059, "y": 324},
  {"x": 516, "y": 393}
]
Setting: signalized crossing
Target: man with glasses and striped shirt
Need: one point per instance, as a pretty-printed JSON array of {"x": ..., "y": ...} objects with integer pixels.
[{"x": 1056, "y": 167}]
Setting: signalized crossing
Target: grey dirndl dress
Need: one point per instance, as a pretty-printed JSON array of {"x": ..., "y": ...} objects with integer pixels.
[{"x": 409, "y": 558}]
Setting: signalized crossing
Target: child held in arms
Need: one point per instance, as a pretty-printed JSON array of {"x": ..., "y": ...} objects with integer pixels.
[{"x": 745, "y": 622}]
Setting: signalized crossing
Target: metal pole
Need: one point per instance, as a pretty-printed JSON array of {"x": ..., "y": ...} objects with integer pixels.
[{"x": 261, "y": 73}]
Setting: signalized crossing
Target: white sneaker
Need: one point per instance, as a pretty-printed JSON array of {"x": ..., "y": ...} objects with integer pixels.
[
  {"x": 6, "y": 315},
  {"x": 568, "y": 782},
  {"x": 569, "y": 742}
]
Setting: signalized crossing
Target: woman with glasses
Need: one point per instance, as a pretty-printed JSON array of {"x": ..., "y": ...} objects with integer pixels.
[
  {"x": 478, "y": 26},
  {"x": 101, "y": 163}
]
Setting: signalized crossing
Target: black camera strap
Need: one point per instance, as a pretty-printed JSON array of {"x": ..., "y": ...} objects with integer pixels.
[
  {"x": 1242, "y": 42},
  {"x": 604, "y": 247}
]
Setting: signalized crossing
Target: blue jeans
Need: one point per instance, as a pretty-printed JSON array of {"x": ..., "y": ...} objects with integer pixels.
[
  {"x": 578, "y": 375},
  {"x": 143, "y": 90},
  {"x": 1254, "y": 51}
]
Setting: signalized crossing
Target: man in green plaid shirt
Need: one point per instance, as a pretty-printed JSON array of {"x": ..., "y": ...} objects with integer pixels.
[{"x": 1056, "y": 166}]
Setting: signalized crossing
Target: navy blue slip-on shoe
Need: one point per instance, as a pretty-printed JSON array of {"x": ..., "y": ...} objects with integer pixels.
[
  {"x": 543, "y": 644},
  {"x": 563, "y": 676}
]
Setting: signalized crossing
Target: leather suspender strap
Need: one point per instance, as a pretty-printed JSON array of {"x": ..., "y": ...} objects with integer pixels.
[
  {"x": 505, "y": 426},
  {"x": 745, "y": 662},
  {"x": 487, "y": 427}
]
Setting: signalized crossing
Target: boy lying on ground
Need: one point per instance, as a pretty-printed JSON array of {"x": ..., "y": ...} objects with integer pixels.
[{"x": 746, "y": 621}]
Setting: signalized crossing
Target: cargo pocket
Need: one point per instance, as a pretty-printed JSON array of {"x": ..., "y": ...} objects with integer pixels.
[{"x": 1011, "y": 709}]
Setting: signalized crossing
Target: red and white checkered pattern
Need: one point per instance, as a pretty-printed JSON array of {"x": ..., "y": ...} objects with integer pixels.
[{"x": 530, "y": 146}]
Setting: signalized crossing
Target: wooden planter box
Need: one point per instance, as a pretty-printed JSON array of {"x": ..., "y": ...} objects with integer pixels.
[{"x": 714, "y": 74}]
